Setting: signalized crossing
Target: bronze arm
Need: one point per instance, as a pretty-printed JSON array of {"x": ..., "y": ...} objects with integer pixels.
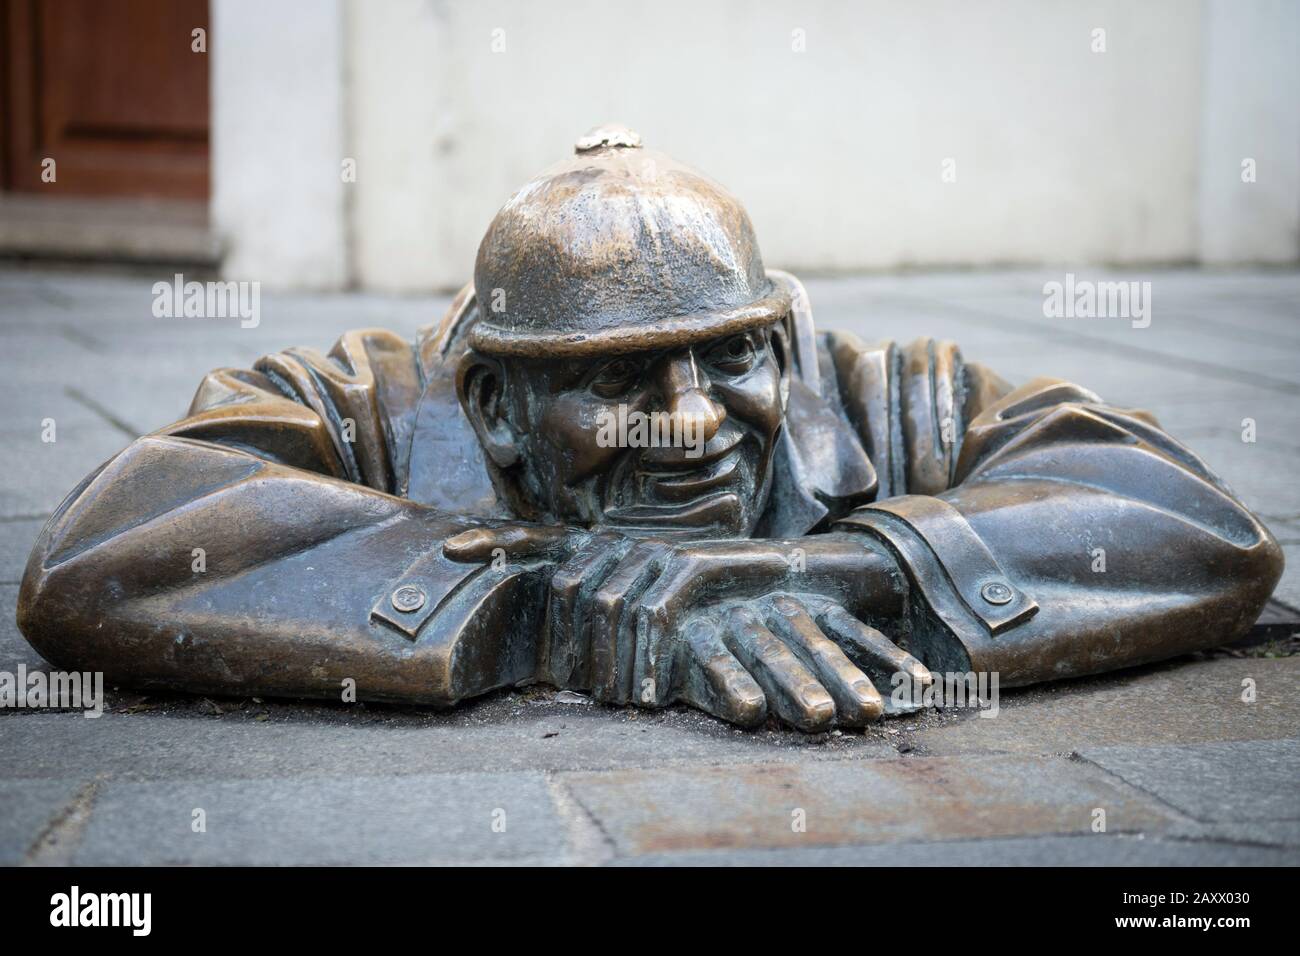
[
  {"x": 1074, "y": 538},
  {"x": 256, "y": 547}
]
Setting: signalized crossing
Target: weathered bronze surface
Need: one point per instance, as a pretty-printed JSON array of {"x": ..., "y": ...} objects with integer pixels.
[{"x": 433, "y": 520}]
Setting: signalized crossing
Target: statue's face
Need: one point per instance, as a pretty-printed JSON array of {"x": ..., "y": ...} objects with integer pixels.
[{"x": 675, "y": 441}]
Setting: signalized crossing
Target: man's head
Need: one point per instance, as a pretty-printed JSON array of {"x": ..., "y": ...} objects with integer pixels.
[{"x": 629, "y": 364}]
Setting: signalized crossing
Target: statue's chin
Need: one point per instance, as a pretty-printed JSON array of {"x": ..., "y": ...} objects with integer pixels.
[{"x": 717, "y": 515}]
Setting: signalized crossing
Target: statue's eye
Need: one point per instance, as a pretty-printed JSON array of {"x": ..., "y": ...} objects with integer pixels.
[
  {"x": 733, "y": 356},
  {"x": 616, "y": 377}
]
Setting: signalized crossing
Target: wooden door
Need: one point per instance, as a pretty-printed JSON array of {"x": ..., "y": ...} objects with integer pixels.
[{"x": 112, "y": 90}]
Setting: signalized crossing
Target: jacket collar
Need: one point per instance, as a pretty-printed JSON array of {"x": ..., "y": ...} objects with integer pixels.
[{"x": 820, "y": 471}]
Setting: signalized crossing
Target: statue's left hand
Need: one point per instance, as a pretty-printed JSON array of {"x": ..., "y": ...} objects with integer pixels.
[
  {"x": 737, "y": 628},
  {"x": 799, "y": 658}
]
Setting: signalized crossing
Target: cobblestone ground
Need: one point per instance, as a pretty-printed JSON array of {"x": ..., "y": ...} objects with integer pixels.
[{"x": 1185, "y": 771}]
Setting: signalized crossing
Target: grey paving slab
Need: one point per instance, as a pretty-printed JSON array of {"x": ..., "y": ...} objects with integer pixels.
[
  {"x": 1260, "y": 474},
  {"x": 1222, "y": 416},
  {"x": 14, "y": 649},
  {"x": 1179, "y": 340},
  {"x": 1281, "y": 833},
  {"x": 499, "y": 735},
  {"x": 479, "y": 818},
  {"x": 1177, "y": 702},
  {"x": 16, "y": 539},
  {"x": 28, "y": 404},
  {"x": 742, "y": 806},
  {"x": 30, "y": 807},
  {"x": 1091, "y": 850},
  {"x": 1288, "y": 589},
  {"x": 1285, "y": 527},
  {"x": 48, "y": 471},
  {"x": 1232, "y": 782}
]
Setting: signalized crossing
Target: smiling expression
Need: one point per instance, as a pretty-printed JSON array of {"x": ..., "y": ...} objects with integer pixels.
[{"x": 726, "y": 396}]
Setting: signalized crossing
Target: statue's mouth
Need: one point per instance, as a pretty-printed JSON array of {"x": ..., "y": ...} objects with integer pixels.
[
  {"x": 683, "y": 485},
  {"x": 664, "y": 490}
]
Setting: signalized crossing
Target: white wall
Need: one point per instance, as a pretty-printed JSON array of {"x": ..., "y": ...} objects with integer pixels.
[
  {"x": 1252, "y": 71},
  {"x": 278, "y": 134},
  {"x": 1062, "y": 154},
  {"x": 407, "y": 108}
]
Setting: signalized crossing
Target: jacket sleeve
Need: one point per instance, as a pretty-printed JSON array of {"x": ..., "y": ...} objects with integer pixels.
[
  {"x": 260, "y": 546},
  {"x": 1047, "y": 534}
]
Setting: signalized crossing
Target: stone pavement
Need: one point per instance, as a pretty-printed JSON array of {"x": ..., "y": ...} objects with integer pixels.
[{"x": 1185, "y": 771}]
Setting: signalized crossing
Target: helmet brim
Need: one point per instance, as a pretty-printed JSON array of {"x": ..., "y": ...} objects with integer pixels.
[{"x": 674, "y": 332}]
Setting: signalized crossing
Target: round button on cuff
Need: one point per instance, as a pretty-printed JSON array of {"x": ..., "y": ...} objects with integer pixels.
[
  {"x": 995, "y": 592},
  {"x": 408, "y": 598}
]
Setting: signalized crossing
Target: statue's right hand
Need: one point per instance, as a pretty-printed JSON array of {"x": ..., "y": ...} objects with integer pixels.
[{"x": 480, "y": 545}]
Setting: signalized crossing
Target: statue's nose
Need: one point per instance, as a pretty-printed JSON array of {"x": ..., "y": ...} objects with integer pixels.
[{"x": 685, "y": 395}]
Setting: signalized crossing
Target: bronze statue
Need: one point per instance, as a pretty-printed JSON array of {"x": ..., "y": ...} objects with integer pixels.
[{"x": 804, "y": 515}]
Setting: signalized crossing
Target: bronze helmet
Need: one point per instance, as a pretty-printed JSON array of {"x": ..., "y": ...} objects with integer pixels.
[{"x": 619, "y": 248}]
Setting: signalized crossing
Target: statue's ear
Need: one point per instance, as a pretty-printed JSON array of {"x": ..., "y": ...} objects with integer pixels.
[
  {"x": 779, "y": 342},
  {"x": 799, "y": 331},
  {"x": 481, "y": 387}
]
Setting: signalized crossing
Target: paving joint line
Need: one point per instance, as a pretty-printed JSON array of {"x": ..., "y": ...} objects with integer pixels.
[
  {"x": 590, "y": 842},
  {"x": 59, "y": 840},
  {"x": 1181, "y": 815},
  {"x": 125, "y": 428}
]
